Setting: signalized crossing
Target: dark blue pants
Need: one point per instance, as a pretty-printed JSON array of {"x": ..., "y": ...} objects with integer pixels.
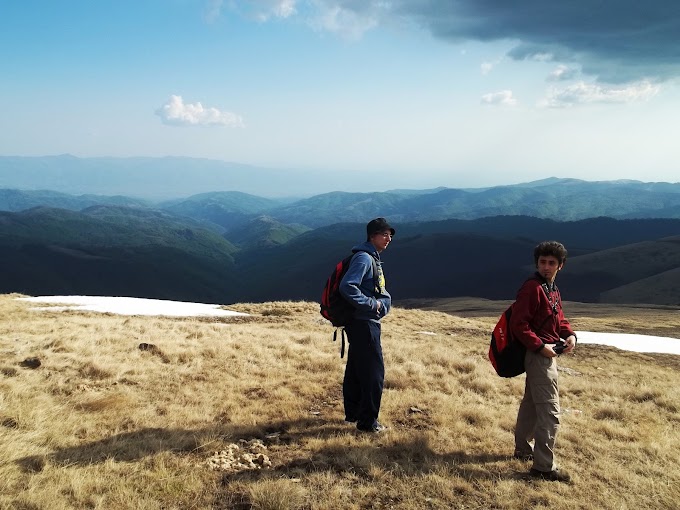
[{"x": 362, "y": 386}]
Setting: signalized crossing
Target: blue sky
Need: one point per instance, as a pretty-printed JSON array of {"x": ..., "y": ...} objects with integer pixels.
[{"x": 457, "y": 93}]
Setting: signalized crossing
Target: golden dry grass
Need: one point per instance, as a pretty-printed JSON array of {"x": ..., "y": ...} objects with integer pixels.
[{"x": 103, "y": 424}]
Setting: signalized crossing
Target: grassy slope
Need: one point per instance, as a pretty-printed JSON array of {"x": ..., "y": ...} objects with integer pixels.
[{"x": 102, "y": 424}]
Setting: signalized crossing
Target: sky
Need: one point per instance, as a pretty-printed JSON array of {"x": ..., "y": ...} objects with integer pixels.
[
  {"x": 456, "y": 93},
  {"x": 155, "y": 307}
]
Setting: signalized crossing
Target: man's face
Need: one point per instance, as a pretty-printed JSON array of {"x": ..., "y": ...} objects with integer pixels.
[
  {"x": 548, "y": 266},
  {"x": 381, "y": 240}
]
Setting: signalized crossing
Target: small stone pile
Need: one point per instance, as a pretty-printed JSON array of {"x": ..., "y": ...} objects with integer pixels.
[{"x": 240, "y": 457}]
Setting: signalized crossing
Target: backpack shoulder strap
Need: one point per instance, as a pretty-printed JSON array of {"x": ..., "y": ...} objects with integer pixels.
[
  {"x": 343, "y": 337},
  {"x": 553, "y": 304},
  {"x": 376, "y": 285}
]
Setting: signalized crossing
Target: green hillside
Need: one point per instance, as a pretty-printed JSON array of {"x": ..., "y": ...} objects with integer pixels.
[
  {"x": 636, "y": 273},
  {"x": 20, "y": 200},
  {"x": 106, "y": 250},
  {"x": 114, "y": 251},
  {"x": 339, "y": 206},
  {"x": 559, "y": 199},
  {"x": 103, "y": 226},
  {"x": 263, "y": 232},
  {"x": 229, "y": 209},
  {"x": 663, "y": 287}
]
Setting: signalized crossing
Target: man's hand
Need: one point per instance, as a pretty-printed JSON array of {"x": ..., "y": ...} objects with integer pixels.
[
  {"x": 548, "y": 351},
  {"x": 570, "y": 344}
]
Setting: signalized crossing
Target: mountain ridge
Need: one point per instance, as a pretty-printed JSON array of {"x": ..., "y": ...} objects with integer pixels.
[{"x": 231, "y": 245}]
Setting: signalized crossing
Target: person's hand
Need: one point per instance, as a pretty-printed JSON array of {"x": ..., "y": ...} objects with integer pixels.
[
  {"x": 548, "y": 351},
  {"x": 570, "y": 344}
]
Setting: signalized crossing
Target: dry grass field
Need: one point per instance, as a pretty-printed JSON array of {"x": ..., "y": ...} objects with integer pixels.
[{"x": 246, "y": 412}]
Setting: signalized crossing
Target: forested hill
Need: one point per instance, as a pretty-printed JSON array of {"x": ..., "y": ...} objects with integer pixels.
[{"x": 137, "y": 251}]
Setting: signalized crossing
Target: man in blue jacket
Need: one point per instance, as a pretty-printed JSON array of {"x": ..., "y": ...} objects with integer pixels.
[{"x": 364, "y": 287}]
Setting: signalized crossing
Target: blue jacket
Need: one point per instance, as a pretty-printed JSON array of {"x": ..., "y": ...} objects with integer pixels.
[{"x": 362, "y": 288}]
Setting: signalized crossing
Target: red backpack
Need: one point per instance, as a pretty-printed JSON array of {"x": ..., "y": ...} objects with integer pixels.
[
  {"x": 506, "y": 353},
  {"x": 334, "y": 307}
]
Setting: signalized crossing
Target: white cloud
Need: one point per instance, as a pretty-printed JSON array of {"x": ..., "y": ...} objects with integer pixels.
[
  {"x": 501, "y": 98},
  {"x": 486, "y": 67},
  {"x": 346, "y": 23},
  {"x": 562, "y": 73},
  {"x": 285, "y": 8},
  {"x": 590, "y": 93},
  {"x": 176, "y": 113},
  {"x": 267, "y": 9},
  {"x": 260, "y": 10},
  {"x": 212, "y": 10}
]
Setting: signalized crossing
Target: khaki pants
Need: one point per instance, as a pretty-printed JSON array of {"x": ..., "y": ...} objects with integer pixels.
[{"x": 539, "y": 413}]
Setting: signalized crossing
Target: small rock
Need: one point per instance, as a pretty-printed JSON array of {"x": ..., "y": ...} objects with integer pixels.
[
  {"x": 569, "y": 371},
  {"x": 10, "y": 423},
  {"x": 30, "y": 363}
]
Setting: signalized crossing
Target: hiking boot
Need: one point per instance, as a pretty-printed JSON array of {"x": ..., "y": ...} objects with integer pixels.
[
  {"x": 375, "y": 429},
  {"x": 350, "y": 419},
  {"x": 552, "y": 476},
  {"x": 524, "y": 457}
]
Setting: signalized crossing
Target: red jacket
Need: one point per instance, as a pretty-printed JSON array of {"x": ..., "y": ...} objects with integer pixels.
[{"x": 533, "y": 321}]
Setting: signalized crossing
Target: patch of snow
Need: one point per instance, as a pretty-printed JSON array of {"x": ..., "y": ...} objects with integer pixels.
[
  {"x": 132, "y": 306},
  {"x": 630, "y": 342},
  {"x": 142, "y": 306}
]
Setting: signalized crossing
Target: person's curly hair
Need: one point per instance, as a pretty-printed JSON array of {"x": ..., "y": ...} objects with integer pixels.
[{"x": 550, "y": 248}]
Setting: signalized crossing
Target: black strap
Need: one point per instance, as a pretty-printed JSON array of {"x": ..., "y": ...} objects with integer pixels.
[
  {"x": 548, "y": 294},
  {"x": 343, "y": 336},
  {"x": 553, "y": 306}
]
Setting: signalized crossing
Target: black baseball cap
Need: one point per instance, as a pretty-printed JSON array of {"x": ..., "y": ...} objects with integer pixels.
[{"x": 378, "y": 225}]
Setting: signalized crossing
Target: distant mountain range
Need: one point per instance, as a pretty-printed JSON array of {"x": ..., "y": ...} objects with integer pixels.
[
  {"x": 227, "y": 246},
  {"x": 173, "y": 178},
  {"x": 144, "y": 252},
  {"x": 151, "y": 178},
  {"x": 557, "y": 199}
]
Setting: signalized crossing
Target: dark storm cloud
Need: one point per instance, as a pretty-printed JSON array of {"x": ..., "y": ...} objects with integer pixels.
[{"x": 614, "y": 40}]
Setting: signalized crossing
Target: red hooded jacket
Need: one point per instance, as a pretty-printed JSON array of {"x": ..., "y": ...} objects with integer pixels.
[{"x": 533, "y": 321}]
